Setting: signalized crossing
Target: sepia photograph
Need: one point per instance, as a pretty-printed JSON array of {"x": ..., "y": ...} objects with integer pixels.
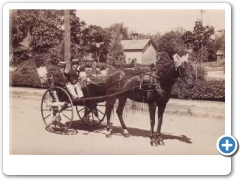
[
  {"x": 117, "y": 81},
  {"x": 104, "y": 80}
]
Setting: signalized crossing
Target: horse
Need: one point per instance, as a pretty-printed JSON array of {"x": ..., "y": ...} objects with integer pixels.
[{"x": 153, "y": 88}]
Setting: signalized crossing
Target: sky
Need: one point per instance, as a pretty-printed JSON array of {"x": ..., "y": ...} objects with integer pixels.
[{"x": 153, "y": 21}]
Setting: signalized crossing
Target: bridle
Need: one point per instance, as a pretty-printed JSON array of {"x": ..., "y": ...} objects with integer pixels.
[{"x": 180, "y": 74}]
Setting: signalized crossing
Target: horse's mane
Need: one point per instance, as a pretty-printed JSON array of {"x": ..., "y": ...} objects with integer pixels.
[{"x": 163, "y": 64}]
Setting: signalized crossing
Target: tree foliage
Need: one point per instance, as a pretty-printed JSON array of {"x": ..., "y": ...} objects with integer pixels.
[
  {"x": 117, "y": 33},
  {"x": 46, "y": 32},
  {"x": 219, "y": 43},
  {"x": 77, "y": 48},
  {"x": 172, "y": 40},
  {"x": 43, "y": 25},
  {"x": 97, "y": 40},
  {"x": 199, "y": 38},
  {"x": 118, "y": 28}
]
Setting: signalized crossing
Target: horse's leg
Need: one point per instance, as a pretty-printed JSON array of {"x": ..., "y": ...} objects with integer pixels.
[
  {"x": 152, "y": 111},
  {"x": 161, "y": 108},
  {"x": 109, "y": 107},
  {"x": 119, "y": 111}
]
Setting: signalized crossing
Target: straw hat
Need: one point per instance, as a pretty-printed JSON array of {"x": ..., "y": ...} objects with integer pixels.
[
  {"x": 75, "y": 61},
  {"x": 62, "y": 64}
]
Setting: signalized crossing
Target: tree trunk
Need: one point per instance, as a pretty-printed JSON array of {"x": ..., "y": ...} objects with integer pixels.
[{"x": 67, "y": 51}]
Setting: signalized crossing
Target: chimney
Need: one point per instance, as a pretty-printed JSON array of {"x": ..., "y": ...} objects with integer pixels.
[{"x": 135, "y": 36}]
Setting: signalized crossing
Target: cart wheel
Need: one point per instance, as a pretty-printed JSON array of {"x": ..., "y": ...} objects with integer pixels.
[
  {"x": 92, "y": 114},
  {"x": 57, "y": 110}
]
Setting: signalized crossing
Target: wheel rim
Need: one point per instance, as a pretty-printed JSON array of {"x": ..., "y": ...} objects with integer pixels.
[
  {"x": 90, "y": 115},
  {"x": 57, "y": 119}
]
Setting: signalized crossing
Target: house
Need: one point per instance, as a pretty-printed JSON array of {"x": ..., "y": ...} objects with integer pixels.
[
  {"x": 142, "y": 50},
  {"x": 220, "y": 55},
  {"x": 220, "y": 33}
]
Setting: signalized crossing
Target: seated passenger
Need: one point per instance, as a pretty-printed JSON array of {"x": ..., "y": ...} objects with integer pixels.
[
  {"x": 83, "y": 78},
  {"x": 60, "y": 77},
  {"x": 74, "y": 87}
]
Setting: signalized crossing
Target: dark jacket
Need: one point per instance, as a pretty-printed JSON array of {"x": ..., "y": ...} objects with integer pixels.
[
  {"x": 60, "y": 79},
  {"x": 171, "y": 53},
  {"x": 73, "y": 76}
]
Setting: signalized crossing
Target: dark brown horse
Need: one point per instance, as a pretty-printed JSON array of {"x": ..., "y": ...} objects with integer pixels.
[{"x": 153, "y": 88}]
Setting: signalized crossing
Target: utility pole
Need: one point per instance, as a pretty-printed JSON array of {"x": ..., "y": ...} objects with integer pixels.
[
  {"x": 67, "y": 51},
  {"x": 202, "y": 11}
]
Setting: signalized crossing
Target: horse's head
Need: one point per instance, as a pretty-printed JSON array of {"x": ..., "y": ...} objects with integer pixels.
[{"x": 184, "y": 69}]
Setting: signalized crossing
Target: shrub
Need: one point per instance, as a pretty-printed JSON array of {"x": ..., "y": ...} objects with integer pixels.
[
  {"x": 87, "y": 66},
  {"x": 102, "y": 68},
  {"x": 26, "y": 75},
  {"x": 24, "y": 80},
  {"x": 202, "y": 90},
  {"x": 201, "y": 72}
]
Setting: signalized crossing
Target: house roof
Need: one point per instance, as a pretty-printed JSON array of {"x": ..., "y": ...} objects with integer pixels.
[{"x": 134, "y": 44}]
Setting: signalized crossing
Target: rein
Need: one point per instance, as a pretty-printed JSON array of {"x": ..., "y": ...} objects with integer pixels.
[{"x": 128, "y": 77}]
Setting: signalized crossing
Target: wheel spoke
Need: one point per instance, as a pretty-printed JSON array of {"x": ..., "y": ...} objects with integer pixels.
[
  {"x": 46, "y": 116},
  {"x": 93, "y": 118},
  {"x": 66, "y": 116},
  {"x": 81, "y": 109},
  {"x": 100, "y": 111},
  {"x": 67, "y": 109},
  {"x": 50, "y": 96},
  {"x": 96, "y": 115}
]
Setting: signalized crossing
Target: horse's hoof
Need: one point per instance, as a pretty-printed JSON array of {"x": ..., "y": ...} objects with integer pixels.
[
  {"x": 126, "y": 135},
  {"x": 160, "y": 142},
  {"x": 153, "y": 143},
  {"x": 108, "y": 135}
]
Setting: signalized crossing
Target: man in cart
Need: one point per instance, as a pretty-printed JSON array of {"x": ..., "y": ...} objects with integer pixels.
[
  {"x": 60, "y": 77},
  {"x": 75, "y": 87}
]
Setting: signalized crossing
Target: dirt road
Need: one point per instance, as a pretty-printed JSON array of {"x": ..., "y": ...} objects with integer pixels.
[{"x": 189, "y": 127}]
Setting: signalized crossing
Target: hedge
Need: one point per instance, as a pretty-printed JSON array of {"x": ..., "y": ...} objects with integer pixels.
[
  {"x": 202, "y": 90},
  {"x": 26, "y": 76}
]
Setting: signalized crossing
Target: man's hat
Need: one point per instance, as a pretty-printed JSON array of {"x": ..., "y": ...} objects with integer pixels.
[
  {"x": 62, "y": 64},
  {"x": 75, "y": 61}
]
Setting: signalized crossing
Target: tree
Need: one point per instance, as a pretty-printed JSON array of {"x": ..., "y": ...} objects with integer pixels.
[
  {"x": 116, "y": 52},
  {"x": 77, "y": 47},
  {"x": 46, "y": 32},
  {"x": 156, "y": 38},
  {"x": 44, "y": 26},
  {"x": 117, "y": 32},
  {"x": 219, "y": 44},
  {"x": 172, "y": 40},
  {"x": 118, "y": 28},
  {"x": 198, "y": 39},
  {"x": 97, "y": 40}
]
